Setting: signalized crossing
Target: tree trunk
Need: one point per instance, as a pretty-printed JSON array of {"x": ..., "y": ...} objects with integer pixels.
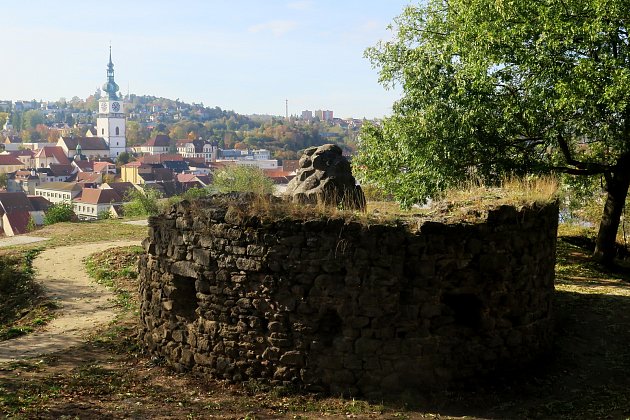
[{"x": 617, "y": 190}]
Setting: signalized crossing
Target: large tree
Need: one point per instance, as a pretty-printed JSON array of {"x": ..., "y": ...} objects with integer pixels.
[{"x": 494, "y": 87}]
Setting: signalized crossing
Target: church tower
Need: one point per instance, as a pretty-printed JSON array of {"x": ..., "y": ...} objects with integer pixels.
[{"x": 110, "y": 124}]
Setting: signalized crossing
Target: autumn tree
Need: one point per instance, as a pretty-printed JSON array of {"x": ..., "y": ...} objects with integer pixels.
[{"x": 516, "y": 87}]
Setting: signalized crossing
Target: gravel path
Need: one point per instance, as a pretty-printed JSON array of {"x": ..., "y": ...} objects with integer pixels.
[{"x": 85, "y": 304}]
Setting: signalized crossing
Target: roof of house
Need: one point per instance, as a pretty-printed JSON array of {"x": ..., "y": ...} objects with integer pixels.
[
  {"x": 84, "y": 165},
  {"x": 89, "y": 177},
  {"x": 186, "y": 178},
  {"x": 59, "y": 186},
  {"x": 14, "y": 201},
  {"x": 55, "y": 152},
  {"x": 86, "y": 143},
  {"x": 92, "y": 131},
  {"x": 19, "y": 221},
  {"x": 121, "y": 188},
  {"x": 161, "y": 140},
  {"x": 21, "y": 152},
  {"x": 25, "y": 174},
  {"x": 39, "y": 203},
  {"x": 99, "y": 196},
  {"x": 61, "y": 170},
  {"x": 176, "y": 166},
  {"x": 102, "y": 166},
  {"x": 10, "y": 160}
]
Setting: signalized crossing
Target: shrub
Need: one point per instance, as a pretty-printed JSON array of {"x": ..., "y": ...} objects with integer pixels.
[
  {"x": 142, "y": 202},
  {"x": 243, "y": 178},
  {"x": 59, "y": 212}
]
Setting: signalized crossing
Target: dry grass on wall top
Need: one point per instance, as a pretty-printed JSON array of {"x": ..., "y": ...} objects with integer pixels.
[{"x": 470, "y": 203}]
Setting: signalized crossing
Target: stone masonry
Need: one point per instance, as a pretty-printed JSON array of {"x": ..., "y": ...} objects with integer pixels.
[{"x": 346, "y": 307}]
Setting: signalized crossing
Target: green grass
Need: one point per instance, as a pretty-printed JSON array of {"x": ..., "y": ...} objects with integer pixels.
[
  {"x": 73, "y": 233},
  {"x": 112, "y": 267}
]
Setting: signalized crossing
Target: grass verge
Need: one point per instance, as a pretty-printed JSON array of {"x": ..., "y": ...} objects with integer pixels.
[{"x": 23, "y": 307}]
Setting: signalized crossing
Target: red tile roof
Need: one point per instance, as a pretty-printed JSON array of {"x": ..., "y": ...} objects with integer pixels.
[
  {"x": 84, "y": 165},
  {"x": 19, "y": 221},
  {"x": 92, "y": 177},
  {"x": 10, "y": 160},
  {"x": 161, "y": 140},
  {"x": 103, "y": 166},
  {"x": 54, "y": 152}
]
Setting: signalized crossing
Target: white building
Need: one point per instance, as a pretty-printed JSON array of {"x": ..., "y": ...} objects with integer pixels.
[{"x": 110, "y": 124}]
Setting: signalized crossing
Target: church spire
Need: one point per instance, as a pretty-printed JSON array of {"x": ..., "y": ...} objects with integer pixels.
[{"x": 110, "y": 87}]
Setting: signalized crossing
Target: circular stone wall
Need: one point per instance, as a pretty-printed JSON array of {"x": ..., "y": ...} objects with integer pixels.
[{"x": 344, "y": 307}]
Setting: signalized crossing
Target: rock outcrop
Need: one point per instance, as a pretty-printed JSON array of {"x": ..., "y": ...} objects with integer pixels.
[{"x": 324, "y": 176}]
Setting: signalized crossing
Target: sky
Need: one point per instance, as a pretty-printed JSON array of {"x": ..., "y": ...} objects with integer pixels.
[{"x": 248, "y": 56}]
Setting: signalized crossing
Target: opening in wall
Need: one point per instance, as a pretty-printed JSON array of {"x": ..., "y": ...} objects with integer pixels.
[
  {"x": 466, "y": 308},
  {"x": 329, "y": 327},
  {"x": 184, "y": 297}
]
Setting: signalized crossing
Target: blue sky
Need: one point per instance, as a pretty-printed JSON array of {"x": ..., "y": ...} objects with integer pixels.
[{"x": 242, "y": 55}]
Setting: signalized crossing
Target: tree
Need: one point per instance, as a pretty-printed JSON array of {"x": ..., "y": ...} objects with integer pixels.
[
  {"x": 59, "y": 212},
  {"x": 242, "y": 178},
  {"x": 142, "y": 202},
  {"x": 519, "y": 88},
  {"x": 32, "y": 118},
  {"x": 4, "y": 180}
]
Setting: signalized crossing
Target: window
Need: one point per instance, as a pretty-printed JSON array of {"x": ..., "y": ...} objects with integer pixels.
[
  {"x": 102, "y": 131},
  {"x": 117, "y": 132}
]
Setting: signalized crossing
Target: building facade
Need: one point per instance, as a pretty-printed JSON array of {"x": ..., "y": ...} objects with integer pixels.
[{"x": 110, "y": 124}]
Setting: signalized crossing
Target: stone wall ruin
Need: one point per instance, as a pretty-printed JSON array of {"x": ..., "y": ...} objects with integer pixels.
[{"x": 346, "y": 307}]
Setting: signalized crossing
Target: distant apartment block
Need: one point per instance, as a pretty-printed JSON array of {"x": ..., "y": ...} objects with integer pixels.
[
  {"x": 307, "y": 115},
  {"x": 324, "y": 115}
]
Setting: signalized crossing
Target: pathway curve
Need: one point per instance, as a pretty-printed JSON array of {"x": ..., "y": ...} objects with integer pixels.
[{"x": 85, "y": 304}]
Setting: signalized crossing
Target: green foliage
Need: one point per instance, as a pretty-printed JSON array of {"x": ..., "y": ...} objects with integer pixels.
[
  {"x": 190, "y": 194},
  {"x": 529, "y": 87},
  {"x": 59, "y": 212},
  {"x": 142, "y": 202},
  {"x": 32, "y": 118},
  {"x": 104, "y": 215},
  {"x": 17, "y": 285},
  {"x": 31, "y": 226},
  {"x": 123, "y": 158},
  {"x": 242, "y": 178},
  {"x": 4, "y": 178}
]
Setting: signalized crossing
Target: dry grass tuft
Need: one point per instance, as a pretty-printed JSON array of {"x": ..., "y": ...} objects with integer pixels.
[{"x": 512, "y": 191}]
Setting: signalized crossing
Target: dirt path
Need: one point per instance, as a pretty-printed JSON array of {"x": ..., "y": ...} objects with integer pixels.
[{"x": 85, "y": 304}]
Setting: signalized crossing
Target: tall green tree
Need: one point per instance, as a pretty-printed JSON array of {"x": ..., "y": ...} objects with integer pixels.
[
  {"x": 32, "y": 118},
  {"x": 490, "y": 86}
]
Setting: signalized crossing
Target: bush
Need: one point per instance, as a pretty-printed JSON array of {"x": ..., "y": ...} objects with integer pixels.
[
  {"x": 242, "y": 178},
  {"x": 59, "y": 212},
  {"x": 190, "y": 194},
  {"x": 142, "y": 202}
]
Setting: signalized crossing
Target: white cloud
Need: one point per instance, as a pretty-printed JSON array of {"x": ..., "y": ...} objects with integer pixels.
[
  {"x": 300, "y": 5},
  {"x": 276, "y": 27}
]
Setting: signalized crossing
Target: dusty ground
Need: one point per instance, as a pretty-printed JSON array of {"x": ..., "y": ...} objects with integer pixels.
[{"x": 84, "y": 305}]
